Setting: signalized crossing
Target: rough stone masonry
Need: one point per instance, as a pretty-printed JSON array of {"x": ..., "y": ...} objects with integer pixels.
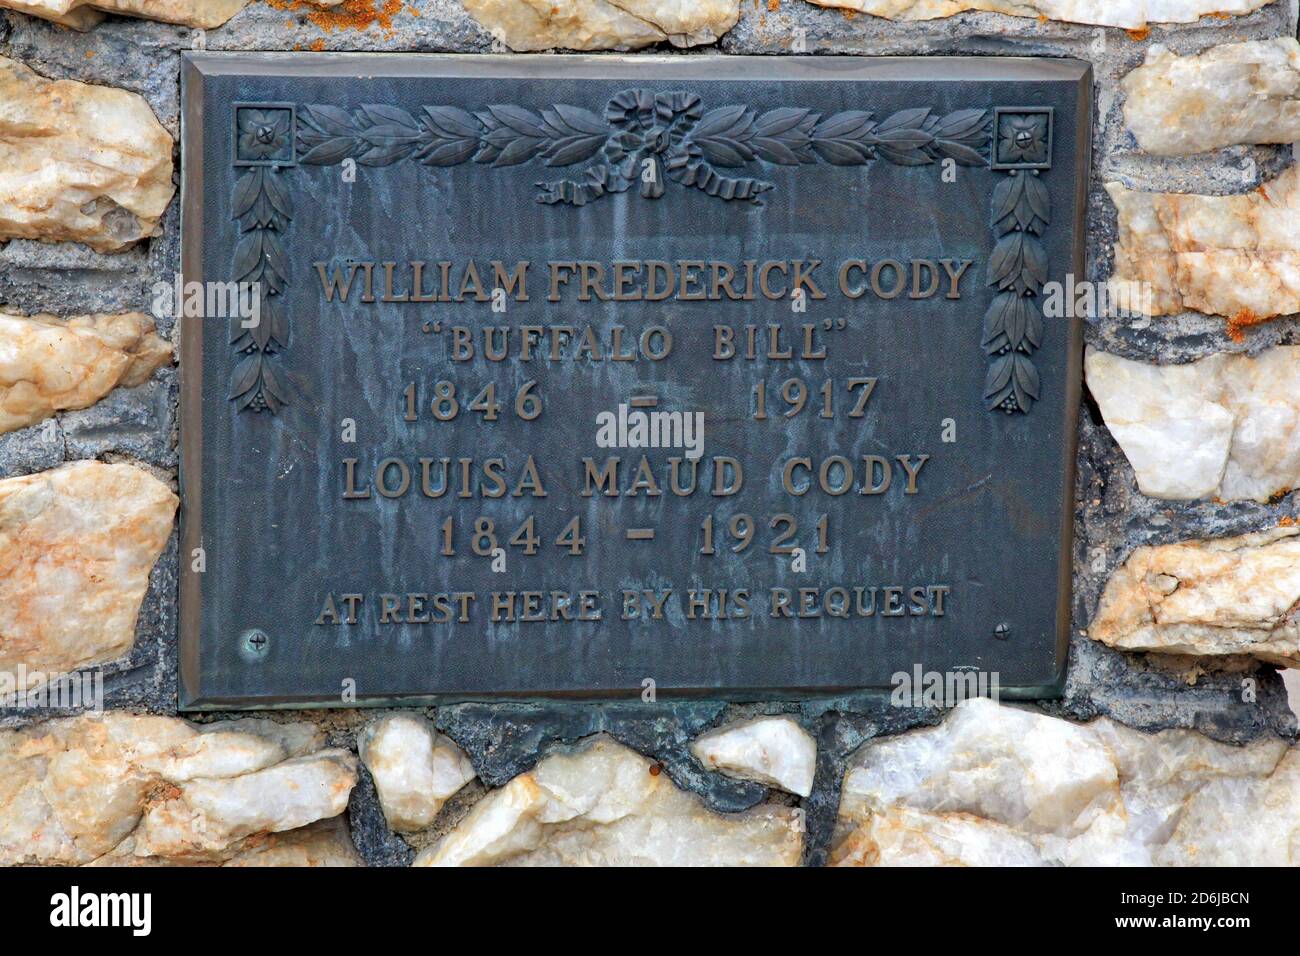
[{"x": 1174, "y": 742}]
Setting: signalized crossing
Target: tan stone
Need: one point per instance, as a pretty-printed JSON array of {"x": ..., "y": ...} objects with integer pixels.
[
  {"x": 1232, "y": 93},
  {"x": 528, "y": 25},
  {"x": 1226, "y": 426},
  {"x": 414, "y": 767},
  {"x": 48, "y": 365},
  {"x": 1130, "y": 14},
  {"x": 995, "y": 785},
  {"x": 206, "y": 815},
  {"x": 122, "y": 789},
  {"x": 1234, "y": 256},
  {"x": 323, "y": 844},
  {"x": 606, "y": 805},
  {"x": 79, "y": 162},
  {"x": 1220, "y": 597},
  {"x": 84, "y": 14},
  {"x": 77, "y": 544}
]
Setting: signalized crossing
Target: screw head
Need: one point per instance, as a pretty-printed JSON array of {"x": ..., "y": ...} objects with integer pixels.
[
  {"x": 1002, "y": 631},
  {"x": 254, "y": 643}
]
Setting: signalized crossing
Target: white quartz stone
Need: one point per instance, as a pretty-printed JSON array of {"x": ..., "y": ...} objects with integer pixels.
[
  {"x": 125, "y": 789},
  {"x": 1234, "y": 256},
  {"x": 1240, "y": 821},
  {"x": 325, "y": 843},
  {"x": 414, "y": 767},
  {"x": 1132, "y": 14},
  {"x": 1231, "y": 93},
  {"x": 997, "y": 785},
  {"x": 77, "y": 544},
  {"x": 208, "y": 815},
  {"x": 48, "y": 365},
  {"x": 79, "y": 162},
  {"x": 1226, "y": 426},
  {"x": 84, "y": 14},
  {"x": 774, "y": 751},
  {"x": 529, "y": 25},
  {"x": 606, "y": 805}
]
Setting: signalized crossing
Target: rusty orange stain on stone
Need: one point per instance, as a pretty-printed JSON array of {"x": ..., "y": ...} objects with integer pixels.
[
  {"x": 1139, "y": 33},
  {"x": 1243, "y": 320},
  {"x": 163, "y": 792},
  {"x": 348, "y": 15}
]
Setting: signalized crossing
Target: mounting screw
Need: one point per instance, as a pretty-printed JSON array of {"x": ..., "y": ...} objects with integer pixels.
[
  {"x": 1002, "y": 631},
  {"x": 255, "y": 643}
]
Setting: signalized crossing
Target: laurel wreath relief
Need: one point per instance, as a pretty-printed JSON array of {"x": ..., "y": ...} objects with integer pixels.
[
  {"x": 1013, "y": 325},
  {"x": 262, "y": 207},
  {"x": 643, "y": 137},
  {"x": 648, "y": 140}
]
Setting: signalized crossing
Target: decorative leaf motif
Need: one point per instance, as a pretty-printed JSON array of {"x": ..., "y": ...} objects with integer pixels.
[
  {"x": 383, "y": 116},
  {"x": 327, "y": 152},
  {"x": 959, "y": 152},
  {"x": 784, "y": 136},
  {"x": 452, "y": 122},
  {"x": 248, "y": 257},
  {"x": 575, "y": 135},
  {"x": 723, "y": 135},
  {"x": 277, "y": 195},
  {"x": 1026, "y": 378},
  {"x": 1020, "y": 202},
  {"x": 263, "y": 207},
  {"x": 247, "y": 189},
  {"x": 724, "y": 121},
  {"x": 841, "y": 140},
  {"x": 1013, "y": 324},
  {"x": 1018, "y": 262},
  {"x": 960, "y": 135},
  {"x": 273, "y": 391},
  {"x": 903, "y": 125},
  {"x": 518, "y": 119},
  {"x": 451, "y": 136},
  {"x": 671, "y": 132},
  {"x": 328, "y": 119},
  {"x": 246, "y": 374},
  {"x": 447, "y": 152},
  {"x": 963, "y": 126}
]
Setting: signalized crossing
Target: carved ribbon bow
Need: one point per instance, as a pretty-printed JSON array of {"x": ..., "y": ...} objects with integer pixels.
[{"x": 650, "y": 142}]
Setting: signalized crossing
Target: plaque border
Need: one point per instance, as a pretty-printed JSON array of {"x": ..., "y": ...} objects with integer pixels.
[{"x": 197, "y": 66}]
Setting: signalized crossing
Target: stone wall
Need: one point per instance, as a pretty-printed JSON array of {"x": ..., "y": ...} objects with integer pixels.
[{"x": 1173, "y": 743}]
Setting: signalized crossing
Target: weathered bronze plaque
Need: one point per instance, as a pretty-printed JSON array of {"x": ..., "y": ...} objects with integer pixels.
[{"x": 565, "y": 375}]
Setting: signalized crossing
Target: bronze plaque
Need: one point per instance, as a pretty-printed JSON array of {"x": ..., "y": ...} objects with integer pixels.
[{"x": 597, "y": 376}]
